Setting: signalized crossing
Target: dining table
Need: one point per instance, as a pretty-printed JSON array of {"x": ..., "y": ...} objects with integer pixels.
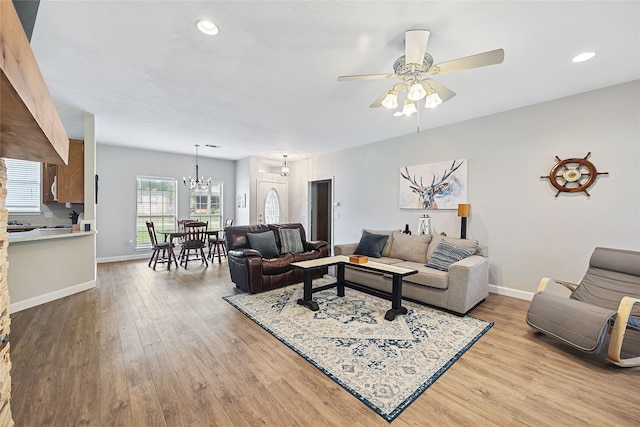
[{"x": 212, "y": 234}]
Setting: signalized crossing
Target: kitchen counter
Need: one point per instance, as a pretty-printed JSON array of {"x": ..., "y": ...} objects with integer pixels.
[
  {"x": 45, "y": 234},
  {"x": 49, "y": 263}
]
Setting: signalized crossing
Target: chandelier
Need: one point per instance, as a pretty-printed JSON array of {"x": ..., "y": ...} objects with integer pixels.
[
  {"x": 284, "y": 169},
  {"x": 197, "y": 183}
]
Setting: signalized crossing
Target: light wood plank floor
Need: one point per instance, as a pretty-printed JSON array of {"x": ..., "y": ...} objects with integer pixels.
[{"x": 160, "y": 348}]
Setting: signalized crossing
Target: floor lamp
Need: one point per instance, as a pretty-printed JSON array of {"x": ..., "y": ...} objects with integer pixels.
[{"x": 464, "y": 210}]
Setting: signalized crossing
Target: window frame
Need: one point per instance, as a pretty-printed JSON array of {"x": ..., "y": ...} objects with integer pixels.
[
  {"x": 164, "y": 220},
  {"x": 215, "y": 220}
]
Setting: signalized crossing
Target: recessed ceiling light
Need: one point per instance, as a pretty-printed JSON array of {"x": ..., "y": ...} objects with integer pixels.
[
  {"x": 207, "y": 27},
  {"x": 585, "y": 56}
]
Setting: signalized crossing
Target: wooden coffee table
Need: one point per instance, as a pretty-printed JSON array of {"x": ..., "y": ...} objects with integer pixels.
[{"x": 397, "y": 273}]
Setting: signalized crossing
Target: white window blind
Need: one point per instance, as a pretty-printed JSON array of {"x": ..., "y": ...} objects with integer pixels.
[
  {"x": 156, "y": 202},
  {"x": 23, "y": 186}
]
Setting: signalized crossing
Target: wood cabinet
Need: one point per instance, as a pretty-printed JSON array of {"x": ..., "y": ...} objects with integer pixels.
[{"x": 65, "y": 184}]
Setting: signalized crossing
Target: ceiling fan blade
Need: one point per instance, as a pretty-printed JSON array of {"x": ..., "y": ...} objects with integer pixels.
[
  {"x": 474, "y": 61},
  {"x": 415, "y": 46},
  {"x": 366, "y": 77},
  {"x": 443, "y": 92},
  {"x": 378, "y": 102}
]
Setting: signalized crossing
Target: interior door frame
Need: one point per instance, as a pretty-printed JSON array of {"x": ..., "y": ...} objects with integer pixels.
[{"x": 332, "y": 216}]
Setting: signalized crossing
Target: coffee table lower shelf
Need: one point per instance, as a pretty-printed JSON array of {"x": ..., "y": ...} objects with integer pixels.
[{"x": 397, "y": 273}]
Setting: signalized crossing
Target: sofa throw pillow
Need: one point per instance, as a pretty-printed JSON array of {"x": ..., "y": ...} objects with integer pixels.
[
  {"x": 290, "y": 241},
  {"x": 386, "y": 250},
  {"x": 265, "y": 243},
  {"x": 461, "y": 243},
  {"x": 371, "y": 244},
  {"x": 446, "y": 254},
  {"x": 410, "y": 248}
]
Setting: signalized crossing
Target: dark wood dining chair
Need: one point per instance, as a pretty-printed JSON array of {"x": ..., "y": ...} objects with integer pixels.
[
  {"x": 218, "y": 244},
  {"x": 166, "y": 248},
  {"x": 195, "y": 239},
  {"x": 180, "y": 238}
]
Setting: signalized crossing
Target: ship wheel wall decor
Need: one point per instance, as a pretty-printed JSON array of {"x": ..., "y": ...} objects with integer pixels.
[{"x": 573, "y": 175}]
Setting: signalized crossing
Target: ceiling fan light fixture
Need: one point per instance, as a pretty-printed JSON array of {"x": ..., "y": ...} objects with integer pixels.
[
  {"x": 416, "y": 92},
  {"x": 584, "y": 56},
  {"x": 391, "y": 100},
  {"x": 408, "y": 108},
  {"x": 432, "y": 100},
  {"x": 207, "y": 27}
]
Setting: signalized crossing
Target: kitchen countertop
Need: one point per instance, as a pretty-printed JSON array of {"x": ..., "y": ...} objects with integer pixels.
[{"x": 46, "y": 234}]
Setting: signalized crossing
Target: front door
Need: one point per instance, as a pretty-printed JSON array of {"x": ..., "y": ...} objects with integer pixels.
[{"x": 272, "y": 202}]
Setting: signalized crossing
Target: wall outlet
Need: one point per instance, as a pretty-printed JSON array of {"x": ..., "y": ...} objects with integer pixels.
[
  {"x": 48, "y": 214},
  {"x": 130, "y": 242}
]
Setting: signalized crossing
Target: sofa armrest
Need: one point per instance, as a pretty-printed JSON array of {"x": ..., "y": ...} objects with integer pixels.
[
  {"x": 315, "y": 245},
  {"x": 245, "y": 267},
  {"x": 468, "y": 282},
  {"x": 345, "y": 249},
  {"x": 244, "y": 253}
]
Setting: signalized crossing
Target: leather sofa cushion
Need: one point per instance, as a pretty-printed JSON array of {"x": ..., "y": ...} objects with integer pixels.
[
  {"x": 277, "y": 265},
  {"x": 236, "y": 237}
]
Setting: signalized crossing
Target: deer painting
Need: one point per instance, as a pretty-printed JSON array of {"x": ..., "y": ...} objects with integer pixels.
[{"x": 440, "y": 185}]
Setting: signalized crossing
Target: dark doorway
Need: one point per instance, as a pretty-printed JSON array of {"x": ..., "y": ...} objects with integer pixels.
[{"x": 320, "y": 210}]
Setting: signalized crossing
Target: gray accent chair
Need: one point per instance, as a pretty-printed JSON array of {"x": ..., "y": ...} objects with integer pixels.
[{"x": 602, "y": 302}]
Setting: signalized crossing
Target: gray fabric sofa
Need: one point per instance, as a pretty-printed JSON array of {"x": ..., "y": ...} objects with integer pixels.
[{"x": 458, "y": 290}]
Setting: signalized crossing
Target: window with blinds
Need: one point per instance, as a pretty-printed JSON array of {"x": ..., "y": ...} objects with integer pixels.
[
  {"x": 156, "y": 202},
  {"x": 23, "y": 186},
  {"x": 206, "y": 205}
]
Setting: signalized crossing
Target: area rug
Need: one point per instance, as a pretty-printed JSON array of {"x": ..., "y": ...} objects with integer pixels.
[{"x": 386, "y": 365}]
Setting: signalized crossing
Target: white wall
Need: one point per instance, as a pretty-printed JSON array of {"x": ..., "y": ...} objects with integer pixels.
[
  {"x": 243, "y": 187},
  {"x": 118, "y": 168},
  {"x": 530, "y": 233}
]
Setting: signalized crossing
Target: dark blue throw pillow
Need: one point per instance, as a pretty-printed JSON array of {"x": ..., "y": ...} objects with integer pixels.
[
  {"x": 265, "y": 243},
  {"x": 371, "y": 244}
]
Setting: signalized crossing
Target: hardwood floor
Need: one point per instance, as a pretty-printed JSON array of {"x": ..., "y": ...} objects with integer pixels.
[{"x": 161, "y": 348}]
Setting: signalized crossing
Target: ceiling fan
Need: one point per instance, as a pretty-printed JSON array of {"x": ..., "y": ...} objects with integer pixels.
[{"x": 414, "y": 68}]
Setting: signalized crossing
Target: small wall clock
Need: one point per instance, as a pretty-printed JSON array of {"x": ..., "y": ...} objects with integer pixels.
[{"x": 573, "y": 175}]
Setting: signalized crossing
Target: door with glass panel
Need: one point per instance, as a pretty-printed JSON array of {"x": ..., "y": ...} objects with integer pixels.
[{"x": 272, "y": 202}]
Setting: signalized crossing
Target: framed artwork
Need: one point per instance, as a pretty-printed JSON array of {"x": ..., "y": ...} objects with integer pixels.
[
  {"x": 441, "y": 185},
  {"x": 242, "y": 200}
]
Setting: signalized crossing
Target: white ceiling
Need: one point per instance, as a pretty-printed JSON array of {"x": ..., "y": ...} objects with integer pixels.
[{"x": 266, "y": 84}]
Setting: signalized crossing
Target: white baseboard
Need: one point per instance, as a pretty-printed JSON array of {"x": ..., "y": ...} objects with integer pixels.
[
  {"x": 51, "y": 296},
  {"x": 500, "y": 290},
  {"x": 123, "y": 258}
]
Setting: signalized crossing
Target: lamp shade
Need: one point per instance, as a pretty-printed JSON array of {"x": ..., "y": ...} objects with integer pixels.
[
  {"x": 432, "y": 100},
  {"x": 390, "y": 101},
  {"x": 464, "y": 210},
  {"x": 416, "y": 92}
]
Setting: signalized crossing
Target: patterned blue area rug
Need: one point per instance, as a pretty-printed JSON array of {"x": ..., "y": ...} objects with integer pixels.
[{"x": 386, "y": 365}]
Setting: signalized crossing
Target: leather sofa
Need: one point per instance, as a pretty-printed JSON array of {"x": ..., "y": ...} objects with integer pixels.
[
  {"x": 252, "y": 273},
  {"x": 459, "y": 289}
]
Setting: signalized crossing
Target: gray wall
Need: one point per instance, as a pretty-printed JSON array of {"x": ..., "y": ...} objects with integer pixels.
[
  {"x": 118, "y": 168},
  {"x": 530, "y": 232}
]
